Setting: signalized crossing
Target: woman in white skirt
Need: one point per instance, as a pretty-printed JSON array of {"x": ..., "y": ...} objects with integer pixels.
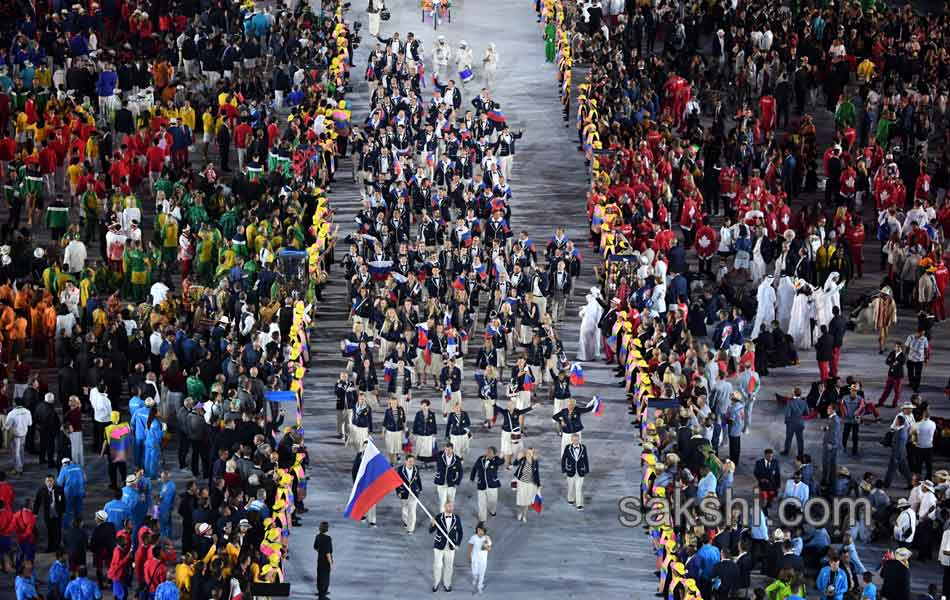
[
  {"x": 458, "y": 428},
  {"x": 489, "y": 394},
  {"x": 424, "y": 431},
  {"x": 510, "y": 428},
  {"x": 394, "y": 426},
  {"x": 372, "y": 13},
  {"x": 528, "y": 475},
  {"x": 361, "y": 423}
]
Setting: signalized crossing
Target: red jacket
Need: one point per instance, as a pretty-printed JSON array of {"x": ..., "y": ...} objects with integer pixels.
[
  {"x": 119, "y": 566},
  {"x": 242, "y": 135}
]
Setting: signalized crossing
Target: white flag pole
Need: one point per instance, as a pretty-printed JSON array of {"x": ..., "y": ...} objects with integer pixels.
[{"x": 426, "y": 511}]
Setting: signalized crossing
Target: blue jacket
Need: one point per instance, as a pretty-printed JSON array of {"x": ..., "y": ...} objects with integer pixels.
[
  {"x": 118, "y": 511},
  {"x": 139, "y": 422},
  {"x": 167, "y": 590},
  {"x": 58, "y": 578},
  {"x": 105, "y": 86},
  {"x": 25, "y": 588},
  {"x": 72, "y": 480},
  {"x": 82, "y": 589},
  {"x": 839, "y": 583},
  {"x": 708, "y": 557},
  {"x": 167, "y": 497}
]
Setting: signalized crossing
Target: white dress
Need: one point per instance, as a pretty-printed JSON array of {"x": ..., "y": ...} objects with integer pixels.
[
  {"x": 765, "y": 305},
  {"x": 799, "y": 326},
  {"x": 588, "y": 347},
  {"x": 759, "y": 268},
  {"x": 785, "y": 297}
]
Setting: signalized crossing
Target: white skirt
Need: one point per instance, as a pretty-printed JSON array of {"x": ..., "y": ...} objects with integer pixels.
[
  {"x": 423, "y": 446},
  {"x": 460, "y": 443},
  {"x": 358, "y": 435},
  {"x": 393, "y": 442},
  {"x": 526, "y": 493},
  {"x": 522, "y": 400},
  {"x": 508, "y": 445}
]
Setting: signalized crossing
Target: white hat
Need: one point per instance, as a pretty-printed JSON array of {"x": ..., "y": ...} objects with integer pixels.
[
  {"x": 902, "y": 554},
  {"x": 102, "y": 515},
  {"x": 130, "y": 479},
  {"x": 903, "y": 502},
  {"x": 66, "y": 461},
  {"x": 39, "y": 253},
  {"x": 173, "y": 121}
]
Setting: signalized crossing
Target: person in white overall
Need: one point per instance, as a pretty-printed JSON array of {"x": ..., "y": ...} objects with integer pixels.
[{"x": 478, "y": 546}]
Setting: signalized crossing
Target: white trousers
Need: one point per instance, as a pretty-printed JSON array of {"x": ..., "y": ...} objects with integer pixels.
[
  {"x": 75, "y": 441},
  {"x": 479, "y": 566},
  {"x": 461, "y": 444},
  {"x": 409, "y": 513},
  {"x": 504, "y": 165},
  {"x": 575, "y": 490},
  {"x": 487, "y": 503},
  {"x": 17, "y": 447},
  {"x": 446, "y": 494},
  {"x": 442, "y": 565}
]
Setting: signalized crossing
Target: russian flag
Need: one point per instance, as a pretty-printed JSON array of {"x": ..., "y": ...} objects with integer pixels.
[
  {"x": 350, "y": 347},
  {"x": 498, "y": 204},
  {"x": 389, "y": 371},
  {"x": 406, "y": 443},
  {"x": 399, "y": 277},
  {"x": 528, "y": 381},
  {"x": 496, "y": 116},
  {"x": 375, "y": 479},
  {"x": 577, "y": 374},
  {"x": 481, "y": 270},
  {"x": 491, "y": 331},
  {"x": 459, "y": 283},
  {"x": 380, "y": 269},
  {"x": 527, "y": 244},
  {"x": 538, "y": 504},
  {"x": 598, "y": 406},
  {"x": 422, "y": 335},
  {"x": 447, "y": 393},
  {"x": 466, "y": 237}
]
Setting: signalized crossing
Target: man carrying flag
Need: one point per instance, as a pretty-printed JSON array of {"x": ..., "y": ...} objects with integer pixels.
[
  {"x": 447, "y": 528},
  {"x": 569, "y": 418},
  {"x": 373, "y": 479}
]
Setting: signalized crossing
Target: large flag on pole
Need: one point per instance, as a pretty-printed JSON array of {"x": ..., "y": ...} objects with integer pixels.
[{"x": 375, "y": 479}]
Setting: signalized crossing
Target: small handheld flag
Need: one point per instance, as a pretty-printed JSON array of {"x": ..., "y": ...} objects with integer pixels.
[
  {"x": 375, "y": 479},
  {"x": 577, "y": 374},
  {"x": 528, "y": 382},
  {"x": 598, "y": 405},
  {"x": 538, "y": 504}
]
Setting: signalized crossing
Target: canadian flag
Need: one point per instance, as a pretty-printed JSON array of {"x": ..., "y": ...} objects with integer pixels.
[{"x": 704, "y": 242}]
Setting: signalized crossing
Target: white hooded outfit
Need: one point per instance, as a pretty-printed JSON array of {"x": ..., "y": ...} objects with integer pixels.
[
  {"x": 588, "y": 347},
  {"x": 766, "y": 304}
]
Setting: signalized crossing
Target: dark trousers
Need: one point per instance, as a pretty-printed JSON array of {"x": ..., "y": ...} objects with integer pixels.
[
  {"x": 199, "y": 451},
  {"x": 852, "y": 430},
  {"x": 187, "y": 535},
  {"x": 798, "y": 433},
  {"x": 98, "y": 435},
  {"x": 183, "y": 445},
  {"x": 323, "y": 580},
  {"x": 914, "y": 372},
  {"x": 117, "y": 469},
  {"x": 54, "y": 533},
  {"x": 47, "y": 447},
  {"x": 925, "y": 461},
  {"x": 735, "y": 447}
]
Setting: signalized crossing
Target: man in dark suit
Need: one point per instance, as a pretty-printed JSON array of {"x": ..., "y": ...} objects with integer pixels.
[
  {"x": 50, "y": 503},
  {"x": 448, "y": 473},
  {"x": 323, "y": 544},
  {"x": 790, "y": 560},
  {"x": 727, "y": 571},
  {"x": 411, "y": 481},
  {"x": 575, "y": 466},
  {"x": 485, "y": 475},
  {"x": 768, "y": 474},
  {"x": 444, "y": 547}
]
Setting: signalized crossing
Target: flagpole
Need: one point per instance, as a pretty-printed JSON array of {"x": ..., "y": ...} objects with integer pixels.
[{"x": 426, "y": 511}]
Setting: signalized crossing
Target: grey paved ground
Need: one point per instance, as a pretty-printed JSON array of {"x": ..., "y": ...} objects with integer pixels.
[{"x": 561, "y": 550}]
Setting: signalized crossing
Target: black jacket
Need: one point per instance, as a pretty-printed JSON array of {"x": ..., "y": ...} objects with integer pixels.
[
  {"x": 485, "y": 472},
  {"x": 41, "y": 504},
  {"x": 414, "y": 483},
  {"x": 571, "y": 466},
  {"x": 448, "y": 474},
  {"x": 825, "y": 347},
  {"x": 455, "y": 531}
]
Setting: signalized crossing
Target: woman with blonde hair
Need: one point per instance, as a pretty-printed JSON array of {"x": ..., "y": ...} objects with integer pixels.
[{"x": 528, "y": 475}]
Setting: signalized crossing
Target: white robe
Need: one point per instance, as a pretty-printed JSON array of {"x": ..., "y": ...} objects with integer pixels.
[
  {"x": 766, "y": 302},
  {"x": 588, "y": 347},
  {"x": 785, "y": 297},
  {"x": 759, "y": 268},
  {"x": 826, "y": 299},
  {"x": 799, "y": 326}
]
